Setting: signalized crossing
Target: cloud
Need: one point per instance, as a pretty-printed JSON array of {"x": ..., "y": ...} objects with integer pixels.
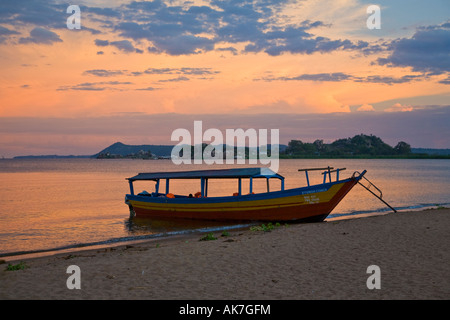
[
  {"x": 123, "y": 45},
  {"x": 6, "y": 32},
  {"x": 365, "y": 107},
  {"x": 185, "y": 44},
  {"x": 153, "y": 50},
  {"x": 234, "y": 51},
  {"x": 107, "y": 12},
  {"x": 185, "y": 28},
  {"x": 445, "y": 81},
  {"x": 148, "y": 89},
  {"x": 183, "y": 70},
  {"x": 38, "y": 13},
  {"x": 340, "y": 76},
  {"x": 33, "y": 12},
  {"x": 188, "y": 28},
  {"x": 428, "y": 50},
  {"x": 296, "y": 40},
  {"x": 101, "y": 43},
  {"x": 191, "y": 29},
  {"x": 153, "y": 71},
  {"x": 391, "y": 80},
  {"x": 178, "y": 79},
  {"x": 182, "y": 74},
  {"x": 104, "y": 73},
  {"x": 399, "y": 108},
  {"x": 96, "y": 86},
  {"x": 41, "y": 36}
]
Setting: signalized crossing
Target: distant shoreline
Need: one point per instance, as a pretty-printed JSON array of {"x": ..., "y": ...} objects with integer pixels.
[
  {"x": 410, "y": 156},
  {"x": 358, "y": 147},
  {"x": 50, "y": 157},
  {"x": 281, "y": 156}
]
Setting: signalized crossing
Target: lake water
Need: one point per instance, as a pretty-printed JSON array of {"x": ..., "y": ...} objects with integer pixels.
[{"x": 51, "y": 204}]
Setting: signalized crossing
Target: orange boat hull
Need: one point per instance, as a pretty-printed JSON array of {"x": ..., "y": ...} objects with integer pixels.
[{"x": 303, "y": 204}]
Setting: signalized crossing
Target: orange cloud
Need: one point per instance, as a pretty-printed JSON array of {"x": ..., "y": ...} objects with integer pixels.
[
  {"x": 399, "y": 108},
  {"x": 366, "y": 107}
]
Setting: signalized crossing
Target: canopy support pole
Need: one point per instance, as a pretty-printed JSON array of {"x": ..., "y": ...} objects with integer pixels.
[
  {"x": 202, "y": 186},
  {"x": 131, "y": 187}
]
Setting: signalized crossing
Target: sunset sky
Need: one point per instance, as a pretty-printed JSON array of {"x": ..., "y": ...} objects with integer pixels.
[{"x": 137, "y": 70}]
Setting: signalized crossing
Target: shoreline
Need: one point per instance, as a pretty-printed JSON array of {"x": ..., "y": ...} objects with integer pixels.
[
  {"x": 25, "y": 255},
  {"x": 112, "y": 243},
  {"x": 301, "y": 261}
]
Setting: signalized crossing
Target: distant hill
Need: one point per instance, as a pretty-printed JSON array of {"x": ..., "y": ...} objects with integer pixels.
[
  {"x": 121, "y": 150},
  {"x": 358, "y": 146},
  {"x": 124, "y": 150}
]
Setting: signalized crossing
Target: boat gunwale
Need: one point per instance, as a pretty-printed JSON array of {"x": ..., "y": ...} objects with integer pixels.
[{"x": 306, "y": 190}]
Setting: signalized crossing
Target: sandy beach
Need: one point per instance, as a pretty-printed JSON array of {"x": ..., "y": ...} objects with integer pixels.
[{"x": 301, "y": 261}]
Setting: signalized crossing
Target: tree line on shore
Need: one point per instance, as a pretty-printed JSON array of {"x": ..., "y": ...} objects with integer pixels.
[{"x": 359, "y": 146}]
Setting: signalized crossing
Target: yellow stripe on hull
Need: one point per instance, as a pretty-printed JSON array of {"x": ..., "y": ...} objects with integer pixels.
[{"x": 282, "y": 202}]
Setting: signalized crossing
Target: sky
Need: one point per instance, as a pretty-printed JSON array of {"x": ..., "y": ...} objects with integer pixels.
[{"x": 137, "y": 70}]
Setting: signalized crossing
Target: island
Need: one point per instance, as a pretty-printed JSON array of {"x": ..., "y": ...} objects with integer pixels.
[{"x": 360, "y": 146}]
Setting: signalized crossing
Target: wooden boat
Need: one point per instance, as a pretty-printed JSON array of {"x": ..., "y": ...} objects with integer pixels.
[{"x": 311, "y": 203}]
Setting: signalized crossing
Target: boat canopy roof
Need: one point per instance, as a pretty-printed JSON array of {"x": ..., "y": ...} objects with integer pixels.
[{"x": 210, "y": 174}]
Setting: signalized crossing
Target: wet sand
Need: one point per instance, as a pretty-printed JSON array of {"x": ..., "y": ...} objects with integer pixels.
[{"x": 327, "y": 260}]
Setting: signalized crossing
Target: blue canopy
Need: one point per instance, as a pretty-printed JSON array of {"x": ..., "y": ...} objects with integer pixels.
[{"x": 210, "y": 174}]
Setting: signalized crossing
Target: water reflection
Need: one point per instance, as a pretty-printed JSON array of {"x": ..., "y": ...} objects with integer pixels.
[
  {"x": 143, "y": 226},
  {"x": 72, "y": 202}
]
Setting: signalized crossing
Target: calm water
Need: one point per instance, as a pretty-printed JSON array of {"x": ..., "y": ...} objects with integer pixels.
[{"x": 49, "y": 204}]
